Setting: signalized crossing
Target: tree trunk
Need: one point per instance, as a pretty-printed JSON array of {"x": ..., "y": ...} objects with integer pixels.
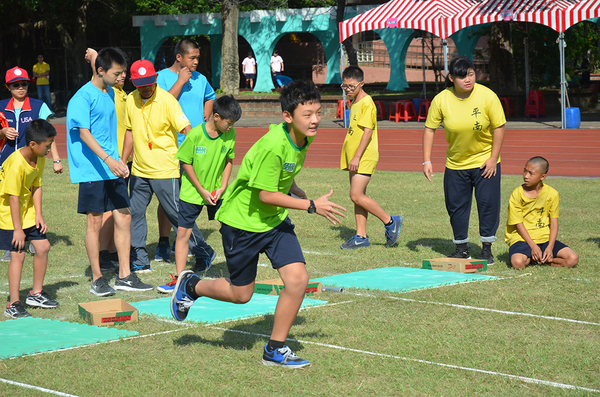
[
  {"x": 75, "y": 46},
  {"x": 350, "y": 50},
  {"x": 230, "y": 74},
  {"x": 503, "y": 77}
]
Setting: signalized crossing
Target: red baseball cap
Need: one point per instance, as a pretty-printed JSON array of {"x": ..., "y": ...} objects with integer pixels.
[
  {"x": 16, "y": 74},
  {"x": 142, "y": 73}
]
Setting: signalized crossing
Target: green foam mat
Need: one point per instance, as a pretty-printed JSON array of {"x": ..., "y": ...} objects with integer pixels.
[
  {"x": 398, "y": 279},
  {"x": 31, "y": 335},
  {"x": 206, "y": 310}
]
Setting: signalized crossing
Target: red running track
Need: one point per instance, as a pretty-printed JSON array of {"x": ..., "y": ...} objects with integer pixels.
[{"x": 572, "y": 153}]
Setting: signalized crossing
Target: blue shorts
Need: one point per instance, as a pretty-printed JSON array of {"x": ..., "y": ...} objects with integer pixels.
[
  {"x": 521, "y": 247},
  {"x": 188, "y": 212},
  {"x": 102, "y": 196},
  {"x": 242, "y": 249},
  {"x": 31, "y": 233},
  {"x": 250, "y": 76}
]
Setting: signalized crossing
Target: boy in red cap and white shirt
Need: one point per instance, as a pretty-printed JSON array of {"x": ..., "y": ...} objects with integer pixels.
[{"x": 154, "y": 117}]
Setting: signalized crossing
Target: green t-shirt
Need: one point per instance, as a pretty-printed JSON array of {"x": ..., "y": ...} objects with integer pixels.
[
  {"x": 271, "y": 164},
  {"x": 208, "y": 157}
]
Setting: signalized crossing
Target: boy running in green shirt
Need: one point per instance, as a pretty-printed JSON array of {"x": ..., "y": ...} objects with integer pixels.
[
  {"x": 207, "y": 156},
  {"x": 254, "y": 220}
]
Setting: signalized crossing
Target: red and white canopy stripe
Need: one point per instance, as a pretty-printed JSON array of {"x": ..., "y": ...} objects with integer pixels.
[
  {"x": 556, "y": 14},
  {"x": 429, "y": 15}
]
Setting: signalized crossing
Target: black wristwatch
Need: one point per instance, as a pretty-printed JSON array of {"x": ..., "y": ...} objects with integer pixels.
[{"x": 312, "y": 209}]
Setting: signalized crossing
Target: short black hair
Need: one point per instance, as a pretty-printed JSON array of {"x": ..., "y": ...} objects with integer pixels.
[
  {"x": 38, "y": 131},
  {"x": 184, "y": 46},
  {"x": 109, "y": 56},
  {"x": 227, "y": 108},
  {"x": 250, "y": 53},
  {"x": 540, "y": 162},
  {"x": 459, "y": 67},
  {"x": 298, "y": 92},
  {"x": 353, "y": 72}
]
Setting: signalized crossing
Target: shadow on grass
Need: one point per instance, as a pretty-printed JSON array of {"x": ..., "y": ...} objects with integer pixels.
[
  {"x": 54, "y": 238},
  {"x": 344, "y": 232},
  {"x": 51, "y": 289},
  {"x": 595, "y": 240},
  {"x": 243, "y": 336}
]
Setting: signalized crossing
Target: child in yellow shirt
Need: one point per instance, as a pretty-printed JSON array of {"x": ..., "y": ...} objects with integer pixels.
[
  {"x": 360, "y": 154},
  {"x": 532, "y": 225}
]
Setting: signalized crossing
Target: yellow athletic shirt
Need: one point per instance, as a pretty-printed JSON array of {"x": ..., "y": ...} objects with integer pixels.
[
  {"x": 363, "y": 114},
  {"x": 468, "y": 123},
  {"x": 154, "y": 126}
]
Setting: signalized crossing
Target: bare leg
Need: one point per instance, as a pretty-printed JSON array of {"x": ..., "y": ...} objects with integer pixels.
[
  {"x": 182, "y": 248},
  {"x": 40, "y": 263},
  {"x": 92, "y": 243},
  {"x": 107, "y": 231},
  {"x": 363, "y": 205},
  {"x": 519, "y": 261},
  {"x": 164, "y": 227},
  {"x": 221, "y": 289},
  {"x": 566, "y": 257},
  {"x": 15, "y": 267},
  {"x": 122, "y": 218},
  {"x": 295, "y": 280}
]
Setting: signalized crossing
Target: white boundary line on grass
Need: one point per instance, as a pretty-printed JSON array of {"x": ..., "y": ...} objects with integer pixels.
[
  {"x": 481, "y": 371},
  {"x": 496, "y": 311},
  {"x": 42, "y": 389}
]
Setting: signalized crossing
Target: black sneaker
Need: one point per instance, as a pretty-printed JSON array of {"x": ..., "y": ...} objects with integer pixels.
[
  {"x": 486, "y": 254},
  {"x": 16, "y": 310},
  {"x": 139, "y": 267},
  {"x": 114, "y": 257},
  {"x": 105, "y": 261},
  {"x": 41, "y": 299},
  {"x": 462, "y": 253},
  {"x": 131, "y": 283},
  {"x": 203, "y": 264},
  {"x": 100, "y": 287}
]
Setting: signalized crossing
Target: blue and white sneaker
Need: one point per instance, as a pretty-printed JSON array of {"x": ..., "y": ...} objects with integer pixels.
[
  {"x": 356, "y": 242},
  {"x": 203, "y": 264},
  {"x": 168, "y": 287},
  {"x": 163, "y": 252},
  {"x": 392, "y": 232},
  {"x": 181, "y": 302},
  {"x": 283, "y": 357},
  {"x": 139, "y": 267}
]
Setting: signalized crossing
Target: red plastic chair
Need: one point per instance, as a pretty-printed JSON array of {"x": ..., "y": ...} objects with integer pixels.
[
  {"x": 402, "y": 110},
  {"x": 508, "y": 106},
  {"x": 423, "y": 109},
  {"x": 536, "y": 104},
  {"x": 380, "y": 109},
  {"x": 339, "y": 114}
]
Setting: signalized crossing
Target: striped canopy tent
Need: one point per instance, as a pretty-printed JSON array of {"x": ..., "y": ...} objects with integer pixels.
[
  {"x": 559, "y": 15},
  {"x": 433, "y": 16}
]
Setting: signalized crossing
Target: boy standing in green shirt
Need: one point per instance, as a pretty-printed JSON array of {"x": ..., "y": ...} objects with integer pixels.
[
  {"x": 207, "y": 156},
  {"x": 254, "y": 220}
]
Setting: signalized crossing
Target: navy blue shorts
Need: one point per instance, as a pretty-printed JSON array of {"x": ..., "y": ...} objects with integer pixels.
[
  {"x": 521, "y": 247},
  {"x": 102, "y": 196},
  {"x": 250, "y": 76},
  {"x": 242, "y": 249},
  {"x": 31, "y": 233},
  {"x": 188, "y": 212}
]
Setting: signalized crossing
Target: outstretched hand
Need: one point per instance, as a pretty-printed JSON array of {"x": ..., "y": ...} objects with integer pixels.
[{"x": 329, "y": 209}]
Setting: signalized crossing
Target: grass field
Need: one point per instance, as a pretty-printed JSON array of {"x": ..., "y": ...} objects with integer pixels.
[{"x": 505, "y": 337}]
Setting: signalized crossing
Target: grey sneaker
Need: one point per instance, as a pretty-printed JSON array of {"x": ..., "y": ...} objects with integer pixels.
[
  {"x": 486, "y": 254},
  {"x": 41, "y": 299},
  {"x": 6, "y": 256},
  {"x": 100, "y": 287},
  {"x": 131, "y": 283},
  {"x": 105, "y": 261},
  {"x": 16, "y": 310},
  {"x": 31, "y": 249}
]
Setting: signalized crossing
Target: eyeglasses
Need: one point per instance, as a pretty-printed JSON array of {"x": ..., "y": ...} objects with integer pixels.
[
  {"x": 20, "y": 84},
  {"x": 350, "y": 86}
]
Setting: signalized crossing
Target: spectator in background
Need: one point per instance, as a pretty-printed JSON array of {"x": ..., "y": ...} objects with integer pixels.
[
  {"x": 41, "y": 75},
  {"x": 249, "y": 70},
  {"x": 276, "y": 63}
]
